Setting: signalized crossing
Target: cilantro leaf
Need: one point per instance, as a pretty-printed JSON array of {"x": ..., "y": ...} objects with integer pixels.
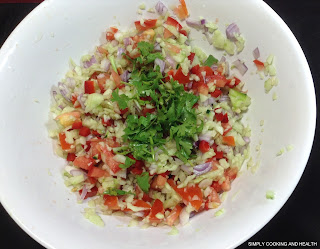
[
  {"x": 145, "y": 48},
  {"x": 210, "y": 61},
  {"x": 127, "y": 163},
  {"x": 143, "y": 182},
  {"x": 116, "y": 192},
  {"x": 121, "y": 99}
]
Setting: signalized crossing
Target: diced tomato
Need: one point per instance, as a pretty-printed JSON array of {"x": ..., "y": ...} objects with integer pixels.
[
  {"x": 95, "y": 133},
  {"x": 64, "y": 145},
  {"x": 181, "y": 10},
  {"x": 68, "y": 118},
  {"x": 222, "y": 117},
  {"x": 93, "y": 192},
  {"x": 157, "y": 208},
  {"x": 158, "y": 182},
  {"x": 146, "y": 197},
  {"x": 220, "y": 80},
  {"x": 137, "y": 167},
  {"x": 216, "y": 93},
  {"x": 108, "y": 157},
  {"x": 97, "y": 172},
  {"x": 124, "y": 111},
  {"x": 219, "y": 155},
  {"x": 109, "y": 36},
  {"x": 117, "y": 79},
  {"x": 204, "y": 146},
  {"x": 173, "y": 48},
  {"x": 259, "y": 65},
  {"x": 92, "y": 180},
  {"x": 71, "y": 157},
  {"x": 141, "y": 204},
  {"x": 173, "y": 22},
  {"x": 203, "y": 89},
  {"x": 84, "y": 162},
  {"x": 231, "y": 173},
  {"x": 84, "y": 131},
  {"x": 180, "y": 77},
  {"x": 192, "y": 194},
  {"x": 174, "y": 215},
  {"x": 114, "y": 30},
  {"x": 147, "y": 24},
  {"x": 102, "y": 82},
  {"x": 183, "y": 32},
  {"x": 226, "y": 185},
  {"x": 111, "y": 202},
  {"x": 216, "y": 186},
  {"x": 106, "y": 123},
  {"x": 228, "y": 140},
  {"x": 226, "y": 128},
  {"x": 191, "y": 57},
  {"x": 102, "y": 50},
  {"x": 237, "y": 81},
  {"x": 170, "y": 73},
  {"x": 146, "y": 110},
  {"x": 77, "y": 125},
  {"x": 89, "y": 87},
  {"x": 195, "y": 69},
  {"x": 74, "y": 98},
  {"x": 214, "y": 196},
  {"x": 167, "y": 34},
  {"x": 88, "y": 144}
]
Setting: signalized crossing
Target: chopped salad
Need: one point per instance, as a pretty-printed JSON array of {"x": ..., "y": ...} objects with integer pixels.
[{"x": 150, "y": 125}]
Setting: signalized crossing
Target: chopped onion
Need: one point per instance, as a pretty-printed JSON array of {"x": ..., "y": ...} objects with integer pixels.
[
  {"x": 186, "y": 169},
  {"x": 226, "y": 69},
  {"x": 157, "y": 47},
  {"x": 54, "y": 94},
  {"x": 160, "y": 63},
  {"x": 161, "y": 8},
  {"x": 240, "y": 66},
  {"x": 202, "y": 168},
  {"x": 194, "y": 24},
  {"x": 89, "y": 63},
  {"x": 122, "y": 173},
  {"x": 196, "y": 144},
  {"x": 223, "y": 59},
  {"x": 120, "y": 52},
  {"x": 77, "y": 172},
  {"x": 84, "y": 192},
  {"x": 171, "y": 61},
  {"x": 127, "y": 41},
  {"x": 89, "y": 137},
  {"x": 209, "y": 39},
  {"x": 231, "y": 31},
  {"x": 203, "y": 21},
  {"x": 211, "y": 101},
  {"x": 192, "y": 214},
  {"x": 65, "y": 92},
  {"x": 79, "y": 98},
  {"x": 184, "y": 216},
  {"x": 114, "y": 43},
  {"x": 246, "y": 139},
  {"x": 105, "y": 64},
  {"x": 256, "y": 53},
  {"x": 224, "y": 98},
  {"x": 205, "y": 137},
  {"x": 71, "y": 82},
  {"x": 138, "y": 214},
  {"x": 214, "y": 67},
  {"x": 189, "y": 85},
  {"x": 125, "y": 76}
]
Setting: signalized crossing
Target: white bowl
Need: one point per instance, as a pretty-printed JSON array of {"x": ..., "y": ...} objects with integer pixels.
[{"x": 36, "y": 56}]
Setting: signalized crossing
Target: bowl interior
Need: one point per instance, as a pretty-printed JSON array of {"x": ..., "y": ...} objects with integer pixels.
[{"x": 35, "y": 58}]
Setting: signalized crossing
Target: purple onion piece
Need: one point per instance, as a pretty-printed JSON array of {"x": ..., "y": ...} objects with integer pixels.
[
  {"x": 209, "y": 39},
  {"x": 192, "y": 214},
  {"x": 256, "y": 53},
  {"x": 125, "y": 76},
  {"x": 54, "y": 94},
  {"x": 114, "y": 43},
  {"x": 246, "y": 139},
  {"x": 205, "y": 137},
  {"x": 161, "y": 8},
  {"x": 186, "y": 169},
  {"x": 171, "y": 61},
  {"x": 211, "y": 100},
  {"x": 227, "y": 71},
  {"x": 84, "y": 192},
  {"x": 196, "y": 144},
  {"x": 90, "y": 62},
  {"x": 71, "y": 82},
  {"x": 105, "y": 64},
  {"x": 189, "y": 85},
  {"x": 120, "y": 52},
  {"x": 65, "y": 92},
  {"x": 240, "y": 66},
  {"x": 214, "y": 67},
  {"x": 79, "y": 98},
  {"x": 223, "y": 59},
  {"x": 127, "y": 41},
  {"x": 160, "y": 63},
  {"x": 231, "y": 31},
  {"x": 61, "y": 107},
  {"x": 224, "y": 98},
  {"x": 157, "y": 47},
  {"x": 194, "y": 24},
  {"x": 203, "y": 21},
  {"x": 202, "y": 168}
]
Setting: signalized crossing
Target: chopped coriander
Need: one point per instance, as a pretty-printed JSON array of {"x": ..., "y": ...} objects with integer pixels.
[
  {"x": 143, "y": 182},
  {"x": 116, "y": 192},
  {"x": 210, "y": 61},
  {"x": 127, "y": 163},
  {"x": 122, "y": 99},
  {"x": 95, "y": 157},
  {"x": 208, "y": 111}
]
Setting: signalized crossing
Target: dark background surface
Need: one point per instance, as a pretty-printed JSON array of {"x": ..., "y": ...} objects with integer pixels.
[{"x": 299, "y": 219}]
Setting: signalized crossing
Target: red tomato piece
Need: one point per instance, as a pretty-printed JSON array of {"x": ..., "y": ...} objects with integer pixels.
[
  {"x": 173, "y": 22},
  {"x": 84, "y": 162},
  {"x": 259, "y": 65},
  {"x": 71, "y": 157},
  {"x": 124, "y": 111},
  {"x": 204, "y": 146},
  {"x": 141, "y": 204},
  {"x": 157, "y": 208},
  {"x": 111, "y": 202},
  {"x": 216, "y": 93},
  {"x": 77, "y": 125},
  {"x": 64, "y": 145},
  {"x": 84, "y": 131},
  {"x": 231, "y": 173},
  {"x": 93, "y": 192},
  {"x": 221, "y": 81},
  {"x": 191, "y": 57},
  {"x": 158, "y": 182},
  {"x": 216, "y": 186},
  {"x": 228, "y": 140},
  {"x": 146, "y": 110},
  {"x": 174, "y": 215},
  {"x": 106, "y": 123},
  {"x": 109, "y": 36},
  {"x": 89, "y": 87},
  {"x": 92, "y": 180},
  {"x": 147, "y": 24},
  {"x": 116, "y": 79},
  {"x": 146, "y": 198},
  {"x": 167, "y": 34},
  {"x": 180, "y": 77},
  {"x": 226, "y": 128},
  {"x": 97, "y": 172},
  {"x": 108, "y": 157}
]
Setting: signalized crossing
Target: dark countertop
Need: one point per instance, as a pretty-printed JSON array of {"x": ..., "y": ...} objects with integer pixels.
[{"x": 299, "y": 219}]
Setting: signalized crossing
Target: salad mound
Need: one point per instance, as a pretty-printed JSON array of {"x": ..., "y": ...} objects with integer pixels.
[{"x": 151, "y": 126}]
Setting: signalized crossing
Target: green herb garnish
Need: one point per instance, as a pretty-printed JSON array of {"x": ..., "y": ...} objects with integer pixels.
[
  {"x": 210, "y": 61},
  {"x": 143, "y": 182}
]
